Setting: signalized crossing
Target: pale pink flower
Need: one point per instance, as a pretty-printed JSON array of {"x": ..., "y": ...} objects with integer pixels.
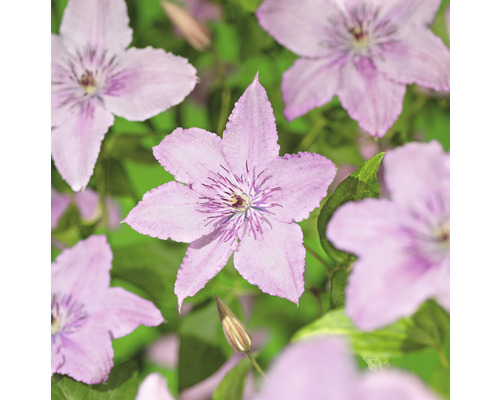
[
  {"x": 323, "y": 369},
  {"x": 364, "y": 51},
  {"x": 87, "y": 314},
  {"x": 94, "y": 77},
  {"x": 154, "y": 387},
  {"x": 403, "y": 243},
  {"x": 237, "y": 196}
]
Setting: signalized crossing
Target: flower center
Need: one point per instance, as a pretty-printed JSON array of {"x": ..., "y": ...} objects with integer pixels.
[
  {"x": 67, "y": 315},
  {"x": 360, "y": 38},
  {"x": 88, "y": 82}
]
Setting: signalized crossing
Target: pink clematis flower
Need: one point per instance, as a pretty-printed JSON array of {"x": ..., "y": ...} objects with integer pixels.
[
  {"x": 154, "y": 387},
  {"x": 87, "y": 314},
  {"x": 364, "y": 51},
  {"x": 323, "y": 369},
  {"x": 403, "y": 243},
  {"x": 94, "y": 77},
  {"x": 237, "y": 196}
]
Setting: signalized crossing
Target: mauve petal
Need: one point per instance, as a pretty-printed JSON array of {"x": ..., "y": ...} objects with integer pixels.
[
  {"x": 419, "y": 57},
  {"x": 274, "y": 261},
  {"x": 59, "y": 203},
  {"x": 154, "y": 387},
  {"x": 319, "y": 368},
  {"x": 308, "y": 84},
  {"x": 169, "y": 211},
  {"x": 301, "y": 26},
  {"x": 392, "y": 385},
  {"x": 370, "y": 98},
  {"x": 87, "y": 202},
  {"x": 250, "y": 139},
  {"x": 362, "y": 226},
  {"x": 99, "y": 24},
  {"x": 88, "y": 354},
  {"x": 304, "y": 179},
  {"x": 165, "y": 351},
  {"x": 151, "y": 81},
  {"x": 191, "y": 155},
  {"x": 388, "y": 285},
  {"x": 83, "y": 270},
  {"x": 77, "y": 141},
  {"x": 204, "y": 258},
  {"x": 121, "y": 312},
  {"x": 409, "y": 12},
  {"x": 417, "y": 173}
]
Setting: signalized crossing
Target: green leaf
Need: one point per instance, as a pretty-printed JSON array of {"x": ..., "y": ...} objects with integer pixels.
[
  {"x": 361, "y": 184},
  {"x": 339, "y": 282},
  {"x": 428, "y": 327},
  {"x": 129, "y": 146},
  {"x": 440, "y": 381},
  {"x": 121, "y": 384},
  {"x": 233, "y": 384}
]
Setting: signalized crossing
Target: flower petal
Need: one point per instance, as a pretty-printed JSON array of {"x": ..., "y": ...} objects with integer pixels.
[
  {"x": 392, "y": 385},
  {"x": 150, "y": 81},
  {"x": 154, "y": 387},
  {"x": 250, "y": 139},
  {"x": 362, "y": 226},
  {"x": 311, "y": 369},
  {"x": 59, "y": 203},
  {"x": 122, "y": 312},
  {"x": 204, "y": 259},
  {"x": 304, "y": 179},
  {"x": 274, "y": 261},
  {"x": 83, "y": 270},
  {"x": 191, "y": 155},
  {"x": 410, "y": 12},
  {"x": 99, "y": 24},
  {"x": 370, "y": 98},
  {"x": 389, "y": 285},
  {"x": 417, "y": 173},
  {"x": 87, "y": 354},
  {"x": 169, "y": 211},
  {"x": 419, "y": 57},
  {"x": 308, "y": 84},
  {"x": 77, "y": 141},
  {"x": 302, "y": 27}
]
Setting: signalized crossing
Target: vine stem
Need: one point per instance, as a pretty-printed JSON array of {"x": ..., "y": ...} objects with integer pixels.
[
  {"x": 311, "y": 135},
  {"x": 256, "y": 364},
  {"x": 318, "y": 257},
  {"x": 225, "y": 95},
  {"x": 442, "y": 358}
]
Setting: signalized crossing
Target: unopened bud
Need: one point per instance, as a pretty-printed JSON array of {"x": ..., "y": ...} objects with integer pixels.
[
  {"x": 236, "y": 333},
  {"x": 195, "y": 32}
]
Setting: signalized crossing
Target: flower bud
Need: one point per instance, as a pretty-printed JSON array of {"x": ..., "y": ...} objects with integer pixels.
[
  {"x": 195, "y": 32},
  {"x": 236, "y": 333}
]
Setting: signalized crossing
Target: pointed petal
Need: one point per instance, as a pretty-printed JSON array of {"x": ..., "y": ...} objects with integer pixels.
[
  {"x": 83, "y": 270},
  {"x": 388, "y": 285},
  {"x": 121, "y": 312},
  {"x": 311, "y": 369},
  {"x": 154, "y": 387},
  {"x": 392, "y": 385},
  {"x": 87, "y": 354},
  {"x": 204, "y": 259},
  {"x": 250, "y": 139},
  {"x": 77, "y": 141},
  {"x": 191, "y": 155},
  {"x": 303, "y": 180},
  {"x": 362, "y": 226},
  {"x": 419, "y": 172},
  {"x": 308, "y": 84},
  {"x": 370, "y": 98},
  {"x": 410, "y": 12},
  {"x": 149, "y": 82},
  {"x": 169, "y": 211},
  {"x": 99, "y": 24},
  {"x": 420, "y": 57},
  {"x": 274, "y": 261},
  {"x": 302, "y": 27}
]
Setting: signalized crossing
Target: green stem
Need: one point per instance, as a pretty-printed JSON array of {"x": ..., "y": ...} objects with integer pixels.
[
  {"x": 318, "y": 257},
  {"x": 442, "y": 358},
  {"x": 311, "y": 135},
  {"x": 256, "y": 364},
  {"x": 225, "y": 95}
]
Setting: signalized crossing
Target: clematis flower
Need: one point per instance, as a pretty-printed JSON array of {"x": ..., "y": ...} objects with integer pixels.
[
  {"x": 364, "y": 51},
  {"x": 403, "y": 243},
  {"x": 94, "y": 77},
  {"x": 323, "y": 369},
  {"x": 87, "y": 314},
  {"x": 154, "y": 387},
  {"x": 235, "y": 195}
]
